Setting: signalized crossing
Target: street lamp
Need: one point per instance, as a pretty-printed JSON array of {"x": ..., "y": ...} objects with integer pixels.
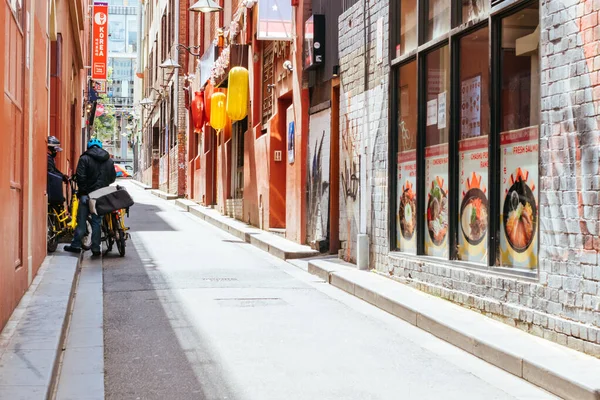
[
  {"x": 146, "y": 102},
  {"x": 171, "y": 63},
  {"x": 205, "y": 6}
]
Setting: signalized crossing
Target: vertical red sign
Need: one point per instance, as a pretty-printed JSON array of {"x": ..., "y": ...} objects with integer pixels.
[{"x": 100, "y": 41}]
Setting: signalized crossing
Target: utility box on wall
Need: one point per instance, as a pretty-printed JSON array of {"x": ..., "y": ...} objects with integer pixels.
[{"x": 314, "y": 42}]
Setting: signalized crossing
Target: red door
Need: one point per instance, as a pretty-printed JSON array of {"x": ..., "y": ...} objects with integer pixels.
[{"x": 13, "y": 95}]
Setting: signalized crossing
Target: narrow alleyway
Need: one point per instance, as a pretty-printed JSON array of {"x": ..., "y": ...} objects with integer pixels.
[{"x": 194, "y": 313}]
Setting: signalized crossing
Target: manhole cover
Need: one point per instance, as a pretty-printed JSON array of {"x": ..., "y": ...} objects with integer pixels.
[{"x": 251, "y": 302}]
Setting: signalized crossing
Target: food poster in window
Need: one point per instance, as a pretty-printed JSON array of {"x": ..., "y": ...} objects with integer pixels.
[
  {"x": 519, "y": 198},
  {"x": 406, "y": 215},
  {"x": 473, "y": 199},
  {"x": 436, "y": 200}
]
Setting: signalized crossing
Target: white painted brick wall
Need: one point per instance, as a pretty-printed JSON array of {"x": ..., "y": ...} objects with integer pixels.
[{"x": 563, "y": 304}]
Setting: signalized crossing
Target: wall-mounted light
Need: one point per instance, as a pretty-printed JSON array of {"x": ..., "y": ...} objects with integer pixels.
[
  {"x": 205, "y": 6},
  {"x": 288, "y": 65},
  {"x": 336, "y": 70}
]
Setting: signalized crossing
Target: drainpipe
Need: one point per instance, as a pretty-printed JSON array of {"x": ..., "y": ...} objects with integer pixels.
[
  {"x": 362, "y": 252},
  {"x": 176, "y": 83},
  {"x": 139, "y": 135},
  {"x": 30, "y": 32}
]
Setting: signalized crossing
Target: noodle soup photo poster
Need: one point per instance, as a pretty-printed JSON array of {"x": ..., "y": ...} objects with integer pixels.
[
  {"x": 473, "y": 200},
  {"x": 436, "y": 216},
  {"x": 406, "y": 213},
  {"x": 519, "y": 198}
]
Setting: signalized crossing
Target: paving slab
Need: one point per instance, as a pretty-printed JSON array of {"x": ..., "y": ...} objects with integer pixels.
[
  {"x": 81, "y": 375},
  {"x": 555, "y": 368},
  {"x": 31, "y": 342},
  {"x": 163, "y": 195},
  {"x": 269, "y": 242},
  {"x": 140, "y": 184}
]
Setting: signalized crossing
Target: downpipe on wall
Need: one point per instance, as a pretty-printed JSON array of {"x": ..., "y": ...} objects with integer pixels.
[{"x": 362, "y": 239}]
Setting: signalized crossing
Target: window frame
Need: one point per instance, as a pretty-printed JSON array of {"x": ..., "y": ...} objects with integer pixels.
[{"x": 458, "y": 29}]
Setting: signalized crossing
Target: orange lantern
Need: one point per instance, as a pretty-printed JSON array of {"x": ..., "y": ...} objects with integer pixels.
[
  {"x": 198, "y": 111},
  {"x": 237, "y": 94},
  {"x": 208, "y": 92},
  {"x": 218, "y": 116}
]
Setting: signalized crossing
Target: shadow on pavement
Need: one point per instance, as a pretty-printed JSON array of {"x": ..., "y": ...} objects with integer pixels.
[
  {"x": 152, "y": 222},
  {"x": 151, "y": 349}
]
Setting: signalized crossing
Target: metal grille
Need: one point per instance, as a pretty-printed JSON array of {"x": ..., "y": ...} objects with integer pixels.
[{"x": 268, "y": 74}]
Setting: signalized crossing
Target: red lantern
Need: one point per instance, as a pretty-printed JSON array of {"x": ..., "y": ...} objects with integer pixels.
[{"x": 198, "y": 111}]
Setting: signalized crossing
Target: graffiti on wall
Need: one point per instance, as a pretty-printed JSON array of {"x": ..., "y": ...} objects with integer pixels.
[
  {"x": 569, "y": 164},
  {"x": 318, "y": 177},
  {"x": 351, "y": 117},
  {"x": 350, "y": 169}
]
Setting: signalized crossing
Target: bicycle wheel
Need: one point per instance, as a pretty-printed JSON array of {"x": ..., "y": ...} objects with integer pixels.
[
  {"x": 119, "y": 235},
  {"x": 108, "y": 235},
  {"x": 51, "y": 234}
]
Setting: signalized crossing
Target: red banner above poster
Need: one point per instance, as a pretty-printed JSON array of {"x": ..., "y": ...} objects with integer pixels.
[{"x": 100, "y": 41}]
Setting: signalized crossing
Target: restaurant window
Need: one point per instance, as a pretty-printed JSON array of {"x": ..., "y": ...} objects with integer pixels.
[
  {"x": 473, "y": 9},
  {"x": 465, "y": 136},
  {"x": 438, "y": 18},
  {"x": 408, "y": 40},
  {"x": 436, "y": 188},
  {"x": 473, "y": 147},
  {"x": 406, "y": 215},
  {"x": 519, "y": 135}
]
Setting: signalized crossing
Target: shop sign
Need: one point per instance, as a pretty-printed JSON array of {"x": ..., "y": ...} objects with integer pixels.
[
  {"x": 519, "y": 216},
  {"x": 100, "y": 41}
]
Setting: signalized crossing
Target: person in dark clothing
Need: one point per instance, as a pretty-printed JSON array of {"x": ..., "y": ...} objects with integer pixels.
[
  {"x": 53, "y": 149},
  {"x": 95, "y": 170}
]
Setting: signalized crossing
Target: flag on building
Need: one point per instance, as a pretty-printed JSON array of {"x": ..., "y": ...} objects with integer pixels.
[{"x": 275, "y": 20}]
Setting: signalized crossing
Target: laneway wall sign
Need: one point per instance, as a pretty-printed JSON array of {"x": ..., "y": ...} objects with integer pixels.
[{"x": 100, "y": 41}]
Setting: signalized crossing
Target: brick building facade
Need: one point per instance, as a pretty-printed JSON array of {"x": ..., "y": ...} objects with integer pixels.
[
  {"x": 553, "y": 293},
  {"x": 42, "y": 80}
]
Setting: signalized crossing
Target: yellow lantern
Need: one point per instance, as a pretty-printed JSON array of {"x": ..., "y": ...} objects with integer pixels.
[
  {"x": 218, "y": 118},
  {"x": 237, "y": 99}
]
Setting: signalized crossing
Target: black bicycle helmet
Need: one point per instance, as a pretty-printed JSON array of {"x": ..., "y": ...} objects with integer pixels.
[{"x": 54, "y": 143}]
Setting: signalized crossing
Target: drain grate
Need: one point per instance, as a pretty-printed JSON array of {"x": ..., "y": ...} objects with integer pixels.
[
  {"x": 251, "y": 302},
  {"x": 219, "y": 279}
]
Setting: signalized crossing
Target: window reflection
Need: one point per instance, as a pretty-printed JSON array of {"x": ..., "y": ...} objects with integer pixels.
[
  {"x": 438, "y": 22},
  {"x": 408, "y": 26},
  {"x": 472, "y": 9}
]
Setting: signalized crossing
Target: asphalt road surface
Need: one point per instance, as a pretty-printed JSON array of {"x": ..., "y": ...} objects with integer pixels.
[{"x": 192, "y": 312}]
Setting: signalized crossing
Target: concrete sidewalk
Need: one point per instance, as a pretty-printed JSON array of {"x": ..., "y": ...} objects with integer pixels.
[
  {"x": 31, "y": 342},
  {"x": 81, "y": 371},
  {"x": 555, "y": 368},
  {"x": 271, "y": 243},
  {"x": 140, "y": 184}
]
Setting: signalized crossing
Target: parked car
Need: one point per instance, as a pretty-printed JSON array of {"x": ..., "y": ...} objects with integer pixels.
[{"x": 123, "y": 170}]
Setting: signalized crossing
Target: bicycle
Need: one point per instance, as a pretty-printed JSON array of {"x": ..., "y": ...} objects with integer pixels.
[
  {"x": 62, "y": 221},
  {"x": 114, "y": 230}
]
